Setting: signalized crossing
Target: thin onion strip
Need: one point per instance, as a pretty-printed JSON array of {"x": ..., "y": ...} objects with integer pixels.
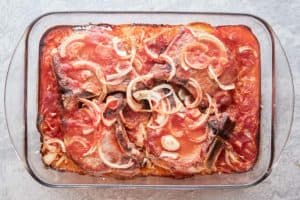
[
  {"x": 213, "y": 75},
  {"x": 203, "y": 118},
  {"x": 95, "y": 108},
  {"x": 57, "y": 141},
  {"x": 131, "y": 86},
  {"x": 113, "y": 165}
]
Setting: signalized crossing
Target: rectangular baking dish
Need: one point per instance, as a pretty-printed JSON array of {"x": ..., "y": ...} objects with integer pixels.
[{"x": 21, "y": 99}]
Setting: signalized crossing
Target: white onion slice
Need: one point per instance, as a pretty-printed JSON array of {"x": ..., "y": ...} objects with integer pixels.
[
  {"x": 57, "y": 141},
  {"x": 90, "y": 151},
  {"x": 160, "y": 121},
  {"x": 172, "y": 64},
  {"x": 150, "y": 53},
  {"x": 113, "y": 165},
  {"x": 209, "y": 37},
  {"x": 131, "y": 86},
  {"x": 170, "y": 143},
  {"x": 201, "y": 138},
  {"x": 73, "y": 38},
  {"x": 87, "y": 130},
  {"x": 192, "y": 82},
  {"x": 81, "y": 140},
  {"x": 166, "y": 154},
  {"x": 119, "y": 52},
  {"x": 203, "y": 118},
  {"x": 213, "y": 75},
  {"x": 49, "y": 158},
  {"x": 60, "y": 160},
  {"x": 109, "y": 122},
  {"x": 96, "y": 69},
  {"x": 93, "y": 107},
  {"x": 120, "y": 72},
  {"x": 186, "y": 64},
  {"x": 241, "y": 49},
  {"x": 91, "y": 66}
]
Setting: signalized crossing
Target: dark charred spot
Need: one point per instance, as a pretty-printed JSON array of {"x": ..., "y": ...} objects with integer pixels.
[{"x": 222, "y": 127}]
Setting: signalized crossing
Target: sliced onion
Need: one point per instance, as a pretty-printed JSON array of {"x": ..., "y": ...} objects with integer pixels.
[
  {"x": 198, "y": 98},
  {"x": 230, "y": 159},
  {"x": 96, "y": 69},
  {"x": 123, "y": 54},
  {"x": 185, "y": 63},
  {"x": 201, "y": 138},
  {"x": 150, "y": 53},
  {"x": 73, "y": 38},
  {"x": 148, "y": 95},
  {"x": 211, "y": 38},
  {"x": 81, "y": 140},
  {"x": 213, "y": 75},
  {"x": 131, "y": 86},
  {"x": 91, "y": 66},
  {"x": 170, "y": 143},
  {"x": 241, "y": 49},
  {"x": 60, "y": 160},
  {"x": 90, "y": 151},
  {"x": 167, "y": 154},
  {"x": 172, "y": 64},
  {"x": 160, "y": 121},
  {"x": 113, "y": 165},
  {"x": 141, "y": 135},
  {"x": 87, "y": 130},
  {"x": 49, "y": 158},
  {"x": 203, "y": 118},
  {"x": 57, "y": 141},
  {"x": 133, "y": 49},
  {"x": 93, "y": 107},
  {"x": 120, "y": 73},
  {"x": 109, "y": 122}
]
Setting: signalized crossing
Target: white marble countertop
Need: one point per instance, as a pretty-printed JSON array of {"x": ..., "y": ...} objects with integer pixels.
[{"x": 283, "y": 15}]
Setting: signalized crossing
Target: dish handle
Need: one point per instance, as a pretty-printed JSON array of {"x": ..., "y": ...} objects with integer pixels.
[
  {"x": 14, "y": 93},
  {"x": 284, "y": 100}
]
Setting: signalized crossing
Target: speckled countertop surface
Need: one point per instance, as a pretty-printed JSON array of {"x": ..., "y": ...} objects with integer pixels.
[{"x": 283, "y": 15}]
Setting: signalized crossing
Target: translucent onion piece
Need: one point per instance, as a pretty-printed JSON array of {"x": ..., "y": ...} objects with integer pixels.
[
  {"x": 49, "y": 158},
  {"x": 198, "y": 98},
  {"x": 203, "y": 118},
  {"x": 81, "y": 140},
  {"x": 90, "y": 151},
  {"x": 241, "y": 49},
  {"x": 94, "y": 108},
  {"x": 172, "y": 64},
  {"x": 160, "y": 121},
  {"x": 131, "y": 86},
  {"x": 60, "y": 160},
  {"x": 201, "y": 138},
  {"x": 122, "y": 53},
  {"x": 96, "y": 69},
  {"x": 113, "y": 165},
  {"x": 169, "y": 143},
  {"x": 150, "y": 53},
  {"x": 120, "y": 72},
  {"x": 57, "y": 141},
  {"x": 213, "y": 75},
  {"x": 73, "y": 38},
  {"x": 109, "y": 122},
  {"x": 166, "y": 154},
  {"x": 186, "y": 64},
  {"x": 209, "y": 37}
]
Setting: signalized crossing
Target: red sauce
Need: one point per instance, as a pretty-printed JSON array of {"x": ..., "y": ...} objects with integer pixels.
[{"x": 243, "y": 67}]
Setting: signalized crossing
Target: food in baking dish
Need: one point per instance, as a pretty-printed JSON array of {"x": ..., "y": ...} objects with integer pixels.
[{"x": 165, "y": 100}]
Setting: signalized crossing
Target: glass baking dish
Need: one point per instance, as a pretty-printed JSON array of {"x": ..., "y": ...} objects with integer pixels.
[{"x": 21, "y": 99}]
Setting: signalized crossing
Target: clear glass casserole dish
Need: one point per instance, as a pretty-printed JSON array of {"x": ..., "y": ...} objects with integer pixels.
[{"x": 21, "y": 99}]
